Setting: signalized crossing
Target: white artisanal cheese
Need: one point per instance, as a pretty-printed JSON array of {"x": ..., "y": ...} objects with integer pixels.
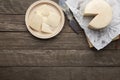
[
  {"x": 46, "y": 28},
  {"x": 45, "y": 10},
  {"x": 102, "y": 12},
  {"x": 44, "y": 19},
  {"x": 53, "y": 19},
  {"x": 35, "y": 21}
]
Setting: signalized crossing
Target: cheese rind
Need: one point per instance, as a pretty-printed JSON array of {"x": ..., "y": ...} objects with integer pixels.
[
  {"x": 46, "y": 28},
  {"x": 102, "y": 12}
]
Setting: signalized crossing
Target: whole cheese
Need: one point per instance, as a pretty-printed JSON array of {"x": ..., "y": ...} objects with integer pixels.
[
  {"x": 102, "y": 12},
  {"x": 53, "y": 19},
  {"x": 46, "y": 28},
  {"x": 35, "y": 21},
  {"x": 44, "y": 19}
]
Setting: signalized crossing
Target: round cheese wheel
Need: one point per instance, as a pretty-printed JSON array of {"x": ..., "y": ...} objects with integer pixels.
[{"x": 102, "y": 12}]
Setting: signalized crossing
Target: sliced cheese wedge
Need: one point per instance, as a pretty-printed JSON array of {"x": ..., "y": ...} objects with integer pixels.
[
  {"x": 46, "y": 28},
  {"x": 53, "y": 19},
  {"x": 102, "y": 12},
  {"x": 35, "y": 22}
]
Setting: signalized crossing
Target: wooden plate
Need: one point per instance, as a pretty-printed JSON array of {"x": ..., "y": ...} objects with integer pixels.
[{"x": 36, "y": 5}]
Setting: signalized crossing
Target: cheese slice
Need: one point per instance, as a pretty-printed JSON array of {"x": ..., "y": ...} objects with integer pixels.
[
  {"x": 53, "y": 19},
  {"x": 35, "y": 22},
  {"x": 46, "y": 28},
  {"x": 102, "y": 12}
]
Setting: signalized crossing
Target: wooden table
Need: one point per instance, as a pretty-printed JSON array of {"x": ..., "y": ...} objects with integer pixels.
[{"x": 65, "y": 57}]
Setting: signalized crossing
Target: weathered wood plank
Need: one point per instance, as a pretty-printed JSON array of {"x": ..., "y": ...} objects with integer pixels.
[
  {"x": 15, "y": 6},
  {"x": 93, "y": 73},
  {"x": 64, "y": 58},
  {"x": 34, "y": 73},
  {"x": 12, "y": 23},
  {"x": 65, "y": 41},
  {"x": 24, "y": 40},
  {"x": 60, "y": 73}
]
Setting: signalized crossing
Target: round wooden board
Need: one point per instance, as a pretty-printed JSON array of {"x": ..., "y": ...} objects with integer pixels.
[{"x": 39, "y": 34}]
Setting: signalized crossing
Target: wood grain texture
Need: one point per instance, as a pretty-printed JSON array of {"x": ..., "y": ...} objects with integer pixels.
[
  {"x": 64, "y": 58},
  {"x": 60, "y": 73},
  {"x": 33, "y": 73},
  {"x": 12, "y": 23},
  {"x": 24, "y": 40},
  {"x": 93, "y": 73},
  {"x": 64, "y": 41},
  {"x": 15, "y": 6}
]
